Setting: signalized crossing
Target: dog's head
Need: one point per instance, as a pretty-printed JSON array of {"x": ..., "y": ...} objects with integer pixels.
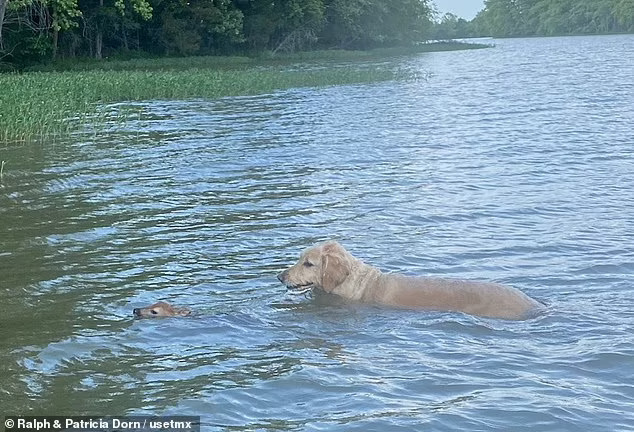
[
  {"x": 324, "y": 267},
  {"x": 160, "y": 309}
]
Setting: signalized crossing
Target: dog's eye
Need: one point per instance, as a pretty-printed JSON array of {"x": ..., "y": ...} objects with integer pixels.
[
  {"x": 154, "y": 312},
  {"x": 308, "y": 264}
]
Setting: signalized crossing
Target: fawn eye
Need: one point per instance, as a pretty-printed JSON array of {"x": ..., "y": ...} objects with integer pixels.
[
  {"x": 154, "y": 312},
  {"x": 308, "y": 264}
]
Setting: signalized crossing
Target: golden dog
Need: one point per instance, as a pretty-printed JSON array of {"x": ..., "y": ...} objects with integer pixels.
[{"x": 330, "y": 268}]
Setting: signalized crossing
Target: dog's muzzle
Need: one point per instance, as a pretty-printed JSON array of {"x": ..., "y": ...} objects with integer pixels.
[{"x": 301, "y": 288}]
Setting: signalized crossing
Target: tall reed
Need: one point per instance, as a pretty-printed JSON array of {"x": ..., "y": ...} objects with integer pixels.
[{"x": 39, "y": 105}]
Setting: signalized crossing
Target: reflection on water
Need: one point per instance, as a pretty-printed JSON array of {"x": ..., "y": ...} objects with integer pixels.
[{"x": 510, "y": 168}]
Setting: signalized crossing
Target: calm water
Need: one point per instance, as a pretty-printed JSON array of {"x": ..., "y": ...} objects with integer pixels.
[{"x": 513, "y": 164}]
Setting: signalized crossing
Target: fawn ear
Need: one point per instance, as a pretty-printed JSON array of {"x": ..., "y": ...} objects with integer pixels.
[{"x": 334, "y": 268}]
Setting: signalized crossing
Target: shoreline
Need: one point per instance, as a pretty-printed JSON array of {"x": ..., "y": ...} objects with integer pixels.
[{"x": 38, "y": 105}]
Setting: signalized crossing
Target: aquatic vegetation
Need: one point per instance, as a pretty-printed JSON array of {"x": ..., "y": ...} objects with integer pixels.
[{"x": 42, "y": 105}]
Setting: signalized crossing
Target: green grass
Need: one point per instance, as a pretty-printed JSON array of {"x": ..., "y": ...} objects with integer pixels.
[
  {"x": 44, "y": 105},
  {"x": 39, "y": 105},
  {"x": 157, "y": 63},
  {"x": 267, "y": 59}
]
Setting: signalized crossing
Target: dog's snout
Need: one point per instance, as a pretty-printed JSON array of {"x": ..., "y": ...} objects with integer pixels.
[
  {"x": 136, "y": 311},
  {"x": 282, "y": 276}
]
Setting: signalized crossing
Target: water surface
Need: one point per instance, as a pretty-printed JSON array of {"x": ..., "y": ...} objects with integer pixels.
[{"x": 513, "y": 164}]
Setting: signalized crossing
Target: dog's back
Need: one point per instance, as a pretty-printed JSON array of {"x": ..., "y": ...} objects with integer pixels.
[{"x": 476, "y": 298}]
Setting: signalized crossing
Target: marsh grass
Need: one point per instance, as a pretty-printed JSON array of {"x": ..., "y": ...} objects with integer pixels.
[
  {"x": 38, "y": 106},
  {"x": 263, "y": 59}
]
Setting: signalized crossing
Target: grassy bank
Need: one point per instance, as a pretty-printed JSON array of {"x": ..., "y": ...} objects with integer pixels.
[
  {"x": 44, "y": 105},
  {"x": 239, "y": 63},
  {"x": 41, "y": 105}
]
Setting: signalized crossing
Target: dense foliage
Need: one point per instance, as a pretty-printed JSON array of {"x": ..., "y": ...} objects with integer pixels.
[
  {"x": 37, "y": 30},
  {"x": 555, "y": 17},
  {"x": 509, "y": 18},
  {"x": 451, "y": 26}
]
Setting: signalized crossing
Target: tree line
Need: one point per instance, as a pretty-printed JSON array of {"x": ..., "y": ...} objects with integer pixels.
[
  {"x": 516, "y": 18},
  {"x": 38, "y": 30},
  {"x": 33, "y": 31}
]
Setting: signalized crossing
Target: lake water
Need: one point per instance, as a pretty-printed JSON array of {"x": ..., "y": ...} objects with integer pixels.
[{"x": 512, "y": 164}]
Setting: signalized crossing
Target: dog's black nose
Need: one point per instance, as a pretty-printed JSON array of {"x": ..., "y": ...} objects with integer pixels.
[
  {"x": 136, "y": 311},
  {"x": 282, "y": 276}
]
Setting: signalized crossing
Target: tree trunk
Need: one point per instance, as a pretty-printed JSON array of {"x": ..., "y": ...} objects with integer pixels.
[
  {"x": 55, "y": 41},
  {"x": 98, "y": 44},
  {"x": 3, "y": 8},
  {"x": 99, "y": 39},
  {"x": 124, "y": 35}
]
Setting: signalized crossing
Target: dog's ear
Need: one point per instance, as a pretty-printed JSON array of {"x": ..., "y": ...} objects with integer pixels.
[{"x": 334, "y": 268}]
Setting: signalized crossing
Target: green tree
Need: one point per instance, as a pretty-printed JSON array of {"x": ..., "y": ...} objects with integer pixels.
[
  {"x": 25, "y": 31},
  {"x": 501, "y": 17},
  {"x": 283, "y": 25},
  {"x": 3, "y": 9},
  {"x": 188, "y": 27},
  {"x": 624, "y": 11},
  {"x": 554, "y": 17},
  {"x": 372, "y": 23},
  {"x": 343, "y": 22},
  {"x": 102, "y": 18},
  {"x": 64, "y": 14},
  {"x": 451, "y": 26}
]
